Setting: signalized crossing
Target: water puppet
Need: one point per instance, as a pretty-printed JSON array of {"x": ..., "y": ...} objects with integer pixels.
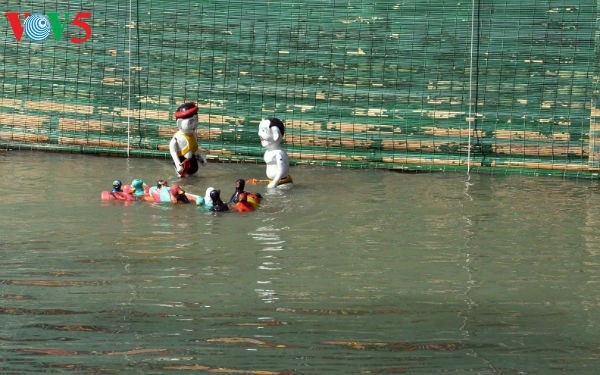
[
  {"x": 217, "y": 203},
  {"x": 137, "y": 190},
  {"x": 240, "y": 184},
  {"x": 271, "y": 132},
  {"x": 160, "y": 192},
  {"x": 242, "y": 200},
  {"x": 117, "y": 186},
  {"x": 163, "y": 193},
  {"x": 183, "y": 147},
  {"x": 206, "y": 201},
  {"x": 178, "y": 195},
  {"x": 243, "y": 204},
  {"x": 117, "y": 192}
]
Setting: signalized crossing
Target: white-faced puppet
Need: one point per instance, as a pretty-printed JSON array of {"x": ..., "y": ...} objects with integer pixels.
[
  {"x": 184, "y": 144},
  {"x": 271, "y": 132}
]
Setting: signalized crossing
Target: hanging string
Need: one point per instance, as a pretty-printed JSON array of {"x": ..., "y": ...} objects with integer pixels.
[
  {"x": 470, "y": 115},
  {"x": 130, "y": 26}
]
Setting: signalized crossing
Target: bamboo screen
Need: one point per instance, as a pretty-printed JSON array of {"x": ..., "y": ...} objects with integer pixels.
[{"x": 418, "y": 85}]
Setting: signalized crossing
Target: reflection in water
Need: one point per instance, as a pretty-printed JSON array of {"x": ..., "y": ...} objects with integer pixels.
[
  {"x": 467, "y": 267},
  {"x": 469, "y": 255},
  {"x": 271, "y": 244}
]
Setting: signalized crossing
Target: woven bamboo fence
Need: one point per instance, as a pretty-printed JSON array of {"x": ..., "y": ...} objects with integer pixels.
[{"x": 431, "y": 85}]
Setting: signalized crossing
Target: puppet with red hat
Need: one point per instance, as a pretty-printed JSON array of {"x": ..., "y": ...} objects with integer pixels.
[{"x": 184, "y": 144}]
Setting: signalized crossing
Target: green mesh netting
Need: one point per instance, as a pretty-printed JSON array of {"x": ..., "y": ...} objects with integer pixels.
[{"x": 508, "y": 86}]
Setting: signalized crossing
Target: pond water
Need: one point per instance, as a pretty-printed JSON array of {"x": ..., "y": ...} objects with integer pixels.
[{"x": 348, "y": 272}]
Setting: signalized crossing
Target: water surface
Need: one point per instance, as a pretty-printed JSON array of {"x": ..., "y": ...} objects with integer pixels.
[{"x": 349, "y": 272}]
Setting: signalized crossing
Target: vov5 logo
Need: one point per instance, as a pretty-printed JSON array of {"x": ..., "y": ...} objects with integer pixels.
[{"x": 38, "y": 26}]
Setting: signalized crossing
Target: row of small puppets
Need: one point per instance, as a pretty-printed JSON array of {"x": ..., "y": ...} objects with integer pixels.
[
  {"x": 163, "y": 192},
  {"x": 187, "y": 157}
]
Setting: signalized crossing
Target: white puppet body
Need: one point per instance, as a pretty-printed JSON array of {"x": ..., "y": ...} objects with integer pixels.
[{"x": 271, "y": 132}]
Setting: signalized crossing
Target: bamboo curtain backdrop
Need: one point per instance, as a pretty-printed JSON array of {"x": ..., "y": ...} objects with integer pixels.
[{"x": 420, "y": 84}]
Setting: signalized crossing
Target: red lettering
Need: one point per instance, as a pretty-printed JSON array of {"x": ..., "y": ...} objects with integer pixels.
[
  {"x": 15, "y": 23},
  {"x": 78, "y": 21}
]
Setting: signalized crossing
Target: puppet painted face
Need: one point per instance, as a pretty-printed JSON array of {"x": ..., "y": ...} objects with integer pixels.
[
  {"x": 187, "y": 117},
  {"x": 188, "y": 125},
  {"x": 270, "y": 132}
]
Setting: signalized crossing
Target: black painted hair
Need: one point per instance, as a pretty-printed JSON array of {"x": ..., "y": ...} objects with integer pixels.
[{"x": 278, "y": 123}]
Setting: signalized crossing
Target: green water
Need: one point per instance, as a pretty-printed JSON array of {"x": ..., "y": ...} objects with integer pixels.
[{"x": 349, "y": 272}]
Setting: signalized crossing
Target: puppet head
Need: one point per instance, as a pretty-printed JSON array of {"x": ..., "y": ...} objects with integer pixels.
[
  {"x": 271, "y": 133},
  {"x": 178, "y": 194},
  {"x": 240, "y": 184},
  {"x": 138, "y": 187},
  {"x": 207, "y": 198},
  {"x": 187, "y": 117},
  {"x": 117, "y": 186}
]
